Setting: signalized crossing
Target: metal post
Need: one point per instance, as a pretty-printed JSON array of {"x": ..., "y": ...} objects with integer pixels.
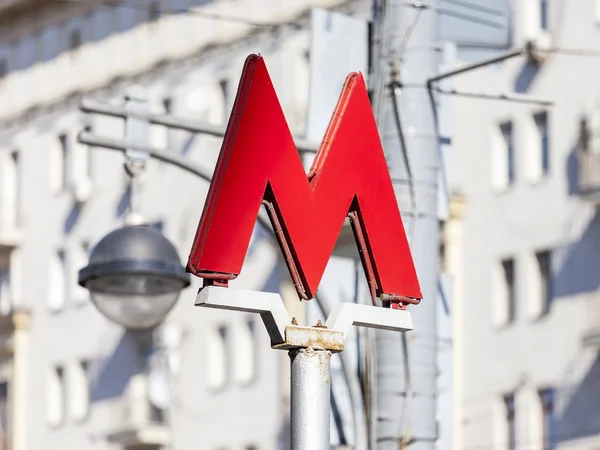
[
  {"x": 310, "y": 398},
  {"x": 310, "y": 350},
  {"x": 137, "y": 130}
]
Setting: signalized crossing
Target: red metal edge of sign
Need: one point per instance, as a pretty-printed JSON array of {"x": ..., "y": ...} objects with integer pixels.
[{"x": 259, "y": 164}]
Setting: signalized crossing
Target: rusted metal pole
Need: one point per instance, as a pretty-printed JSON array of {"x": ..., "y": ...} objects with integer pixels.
[{"x": 310, "y": 399}]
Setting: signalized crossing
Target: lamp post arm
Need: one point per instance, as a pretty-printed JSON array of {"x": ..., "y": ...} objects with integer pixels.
[{"x": 85, "y": 137}]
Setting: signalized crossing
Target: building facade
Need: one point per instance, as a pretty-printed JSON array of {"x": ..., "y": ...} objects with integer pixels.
[
  {"x": 70, "y": 379},
  {"x": 529, "y": 302}
]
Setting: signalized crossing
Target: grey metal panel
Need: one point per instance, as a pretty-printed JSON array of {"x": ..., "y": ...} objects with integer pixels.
[
  {"x": 339, "y": 45},
  {"x": 474, "y": 23}
]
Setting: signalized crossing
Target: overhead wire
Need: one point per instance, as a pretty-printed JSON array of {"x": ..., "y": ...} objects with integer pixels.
[
  {"x": 353, "y": 389},
  {"x": 502, "y": 97},
  {"x": 575, "y": 51}
]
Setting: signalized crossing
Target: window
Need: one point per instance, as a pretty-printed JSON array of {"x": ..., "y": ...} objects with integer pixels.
[
  {"x": 157, "y": 415},
  {"x": 55, "y": 391},
  {"x": 75, "y": 39},
  {"x": 38, "y": 47},
  {"x": 509, "y": 405},
  {"x": 58, "y": 281},
  {"x": 245, "y": 352},
  {"x": 79, "y": 259},
  {"x": 5, "y": 288},
  {"x": 10, "y": 188},
  {"x": 508, "y": 269},
  {"x": 547, "y": 401},
  {"x": 79, "y": 383},
  {"x": 541, "y": 122},
  {"x": 15, "y": 174},
  {"x": 503, "y": 156},
  {"x": 167, "y": 105},
  {"x": 4, "y": 415},
  {"x": 224, "y": 85},
  {"x": 87, "y": 159},
  {"x": 507, "y": 134},
  {"x": 154, "y": 11},
  {"x": 59, "y": 163},
  {"x": 114, "y": 17},
  {"x": 217, "y": 358},
  {"x": 159, "y": 226},
  {"x": 545, "y": 279},
  {"x": 543, "y": 14}
]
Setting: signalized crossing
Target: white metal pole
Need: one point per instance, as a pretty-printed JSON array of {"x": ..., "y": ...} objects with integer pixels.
[
  {"x": 310, "y": 350},
  {"x": 310, "y": 399}
]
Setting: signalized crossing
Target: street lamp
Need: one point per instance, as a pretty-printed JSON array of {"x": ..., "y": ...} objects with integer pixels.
[{"x": 134, "y": 277}]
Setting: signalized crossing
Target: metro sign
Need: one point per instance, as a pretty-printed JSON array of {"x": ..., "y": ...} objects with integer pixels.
[{"x": 259, "y": 164}]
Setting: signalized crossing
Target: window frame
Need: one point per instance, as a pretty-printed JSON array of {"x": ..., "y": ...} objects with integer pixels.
[
  {"x": 544, "y": 18},
  {"x": 63, "y": 165},
  {"x": 542, "y": 126},
  {"x": 57, "y": 371},
  {"x": 510, "y": 409},
  {"x": 544, "y": 267},
  {"x": 508, "y": 266},
  {"x": 548, "y": 408},
  {"x": 507, "y": 131}
]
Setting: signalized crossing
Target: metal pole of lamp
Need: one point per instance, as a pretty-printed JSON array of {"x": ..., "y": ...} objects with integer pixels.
[
  {"x": 134, "y": 274},
  {"x": 310, "y": 349}
]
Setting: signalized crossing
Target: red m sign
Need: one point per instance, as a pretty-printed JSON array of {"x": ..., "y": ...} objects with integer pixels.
[{"x": 259, "y": 163}]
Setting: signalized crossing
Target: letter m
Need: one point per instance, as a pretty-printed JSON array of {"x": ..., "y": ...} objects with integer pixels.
[{"x": 259, "y": 163}]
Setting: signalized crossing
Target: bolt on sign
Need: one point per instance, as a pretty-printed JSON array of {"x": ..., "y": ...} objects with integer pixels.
[{"x": 260, "y": 165}]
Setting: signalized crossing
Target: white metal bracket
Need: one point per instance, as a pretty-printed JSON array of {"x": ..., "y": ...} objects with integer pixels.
[
  {"x": 285, "y": 335},
  {"x": 269, "y": 306},
  {"x": 344, "y": 315}
]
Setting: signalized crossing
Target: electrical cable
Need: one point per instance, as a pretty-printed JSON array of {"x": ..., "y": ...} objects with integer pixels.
[
  {"x": 354, "y": 391},
  {"x": 406, "y": 37},
  {"x": 575, "y": 51},
  {"x": 502, "y": 97},
  {"x": 337, "y": 418}
]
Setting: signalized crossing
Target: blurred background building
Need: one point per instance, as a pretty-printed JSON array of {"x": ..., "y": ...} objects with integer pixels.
[
  {"x": 71, "y": 379},
  {"x": 530, "y": 373},
  {"x": 521, "y": 234}
]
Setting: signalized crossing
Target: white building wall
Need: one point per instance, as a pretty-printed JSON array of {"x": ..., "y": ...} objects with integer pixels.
[
  {"x": 182, "y": 57},
  {"x": 533, "y": 352}
]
